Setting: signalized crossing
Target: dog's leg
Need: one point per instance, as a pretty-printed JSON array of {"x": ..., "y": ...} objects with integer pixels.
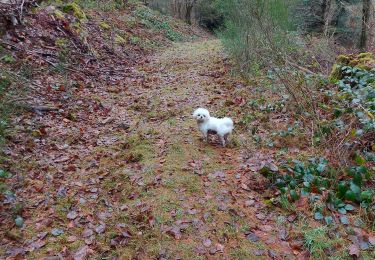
[
  {"x": 205, "y": 136},
  {"x": 226, "y": 138},
  {"x": 222, "y": 140}
]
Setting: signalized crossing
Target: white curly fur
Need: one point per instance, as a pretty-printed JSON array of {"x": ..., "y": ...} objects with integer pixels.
[{"x": 223, "y": 127}]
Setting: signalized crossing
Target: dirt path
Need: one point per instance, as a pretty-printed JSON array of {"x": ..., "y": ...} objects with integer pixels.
[
  {"x": 196, "y": 195},
  {"x": 146, "y": 186}
]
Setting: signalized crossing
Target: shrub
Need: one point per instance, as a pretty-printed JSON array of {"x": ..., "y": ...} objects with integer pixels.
[
  {"x": 208, "y": 15},
  {"x": 157, "y": 22}
]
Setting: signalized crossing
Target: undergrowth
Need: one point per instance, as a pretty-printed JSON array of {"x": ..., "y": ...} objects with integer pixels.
[{"x": 157, "y": 22}]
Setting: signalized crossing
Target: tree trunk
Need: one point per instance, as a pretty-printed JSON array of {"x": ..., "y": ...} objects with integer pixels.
[
  {"x": 189, "y": 8},
  {"x": 327, "y": 16},
  {"x": 365, "y": 19}
]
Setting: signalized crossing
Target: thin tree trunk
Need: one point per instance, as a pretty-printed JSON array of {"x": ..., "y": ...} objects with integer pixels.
[
  {"x": 327, "y": 16},
  {"x": 188, "y": 13},
  {"x": 365, "y": 19}
]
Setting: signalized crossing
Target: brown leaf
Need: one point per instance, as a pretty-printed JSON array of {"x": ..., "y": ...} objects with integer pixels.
[
  {"x": 249, "y": 203},
  {"x": 175, "y": 232},
  {"x": 266, "y": 228},
  {"x": 87, "y": 232},
  {"x": 71, "y": 239},
  {"x": 371, "y": 240},
  {"x": 220, "y": 248},
  {"x": 72, "y": 215},
  {"x": 354, "y": 250},
  {"x": 100, "y": 228},
  {"x": 260, "y": 216},
  {"x": 192, "y": 211},
  {"x": 292, "y": 217},
  {"x": 82, "y": 253},
  {"x": 207, "y": 242}
]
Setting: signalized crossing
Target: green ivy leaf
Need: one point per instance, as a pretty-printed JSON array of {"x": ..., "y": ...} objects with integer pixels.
[
  {"x": 358, "y": 179},
  {"x": 342, "y": 211},
  {"x": 294, "y": 195},
  {"x": 349, "y": 207},
  {"x": 306, "y": 184},
  {"x": 328, "y": 220},
  {"x": 355, "y": 188},
  {"x": 367, "y": 196},
  {"x": 4, "y": 174},
  {"x": 342, "y": 189},
  {"x": 344, "y": 220},
  {"x": 359, "y": 159},
  {"x": 350, "y": 195},
  {"x": 318, "y": 216},
  {"x": 19, "y": 221}
]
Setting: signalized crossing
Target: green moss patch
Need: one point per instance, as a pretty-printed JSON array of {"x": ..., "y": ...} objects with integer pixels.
[{"x": 74, "y": 9}]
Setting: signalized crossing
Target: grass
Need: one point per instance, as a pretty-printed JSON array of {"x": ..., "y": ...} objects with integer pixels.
[{"x": 317, "y": 241}]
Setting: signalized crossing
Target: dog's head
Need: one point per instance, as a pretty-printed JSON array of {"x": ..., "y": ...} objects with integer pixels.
[{"x": 201, "y": 115}]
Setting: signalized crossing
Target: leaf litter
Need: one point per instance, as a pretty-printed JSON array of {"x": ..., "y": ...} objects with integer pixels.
[{"x": 84, "y": 158}]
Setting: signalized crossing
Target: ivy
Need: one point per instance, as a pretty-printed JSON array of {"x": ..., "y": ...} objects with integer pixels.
[{"x": 315, "y": 178}]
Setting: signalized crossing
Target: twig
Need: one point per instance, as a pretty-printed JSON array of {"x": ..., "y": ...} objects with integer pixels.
[
  {"x": 299, "y": 67},
  {"x": 21, "y": 11}
]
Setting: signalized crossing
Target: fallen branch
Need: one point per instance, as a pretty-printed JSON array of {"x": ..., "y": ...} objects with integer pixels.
[
  {"x": 38, "y": 108},
  {"x": 300, "y": 67}
]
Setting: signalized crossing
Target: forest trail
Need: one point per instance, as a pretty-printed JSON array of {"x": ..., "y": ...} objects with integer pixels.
[
  {"x": 147, "y": 186},
  {"x": 195, "y": 193}
]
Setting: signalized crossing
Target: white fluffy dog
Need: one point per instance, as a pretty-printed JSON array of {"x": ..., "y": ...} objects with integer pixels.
[{"x": 223, "y": 127}]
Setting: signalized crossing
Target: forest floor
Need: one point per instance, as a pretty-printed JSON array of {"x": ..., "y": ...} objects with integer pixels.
[
  {"x": 148, "y": 186},
  {"x": 121, "y": 169}
]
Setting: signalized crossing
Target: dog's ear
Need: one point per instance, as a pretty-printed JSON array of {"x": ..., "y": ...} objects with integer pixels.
[{"x": 195, "y": 114}]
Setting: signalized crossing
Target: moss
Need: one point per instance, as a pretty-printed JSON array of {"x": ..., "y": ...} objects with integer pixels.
[
  {"x": 104, "y": 26},
  {"x": 343, "y": 59},
  {"x": 364, "y": 67},
  {"x": 119, "y": 39},
  {"x": 59, "y": 15},
  {"x": 336, "y": 73},
  {"x": 4, "y": 83},
  {"x": 365, "y": 55},
  {"x": 353, "y": 63},
  {"x": 363, "y": 61},
  {"x": 133, "y": 157},
  {"x": 76, "y": 10},
  {"x": 61, "y": 42}
]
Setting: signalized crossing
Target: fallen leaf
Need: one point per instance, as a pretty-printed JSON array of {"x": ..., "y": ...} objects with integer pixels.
[
  {"x": 292, "y": 217},
  {"x": 207, "y": 242},
  {"x": 283, "y": 234},
  {"x": 272, "y": 254},
  {"x": 71, "y": 239},
  {"x": 87, "y": 232},
  {"x": 175, "y": 232},
  {"x": 252, "y": 237},
  {"x": 249, "y": 203},
  {"x": 266, "y": 228},
  {"x": 371, "y": 240},
  {"x": 260, "y": 216},
  {"x": 82, "y": 253},
  {"x": 220, "y": 247},
  {"x": 354, "y": 250},
  {"x": 57, "y": 232},
  {"x": 100, "y": 228},
  {"x": 72, "y": 215},
  {"x": 19, "y": 221},
  {"x": 258, "y": 252}
]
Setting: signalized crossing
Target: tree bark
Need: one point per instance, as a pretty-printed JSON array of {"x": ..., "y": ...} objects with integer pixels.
[{"x": 366, "y": 5}]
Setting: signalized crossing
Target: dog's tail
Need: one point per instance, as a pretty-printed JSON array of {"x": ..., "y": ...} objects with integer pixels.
[{"x": 228, "y": 122}]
